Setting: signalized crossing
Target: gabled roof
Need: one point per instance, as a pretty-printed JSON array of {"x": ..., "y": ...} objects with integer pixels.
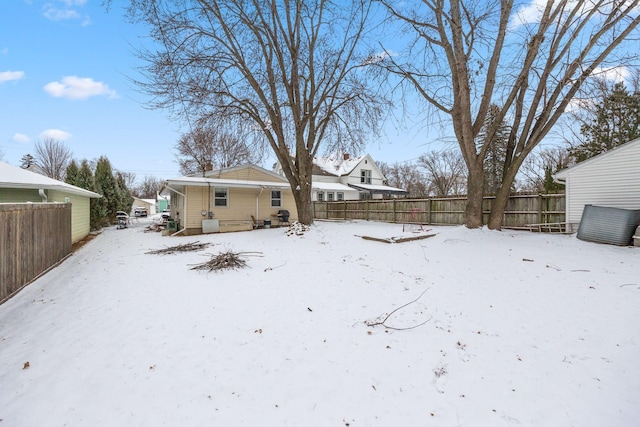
[
  {"x": 15, "y": 177},
  {"x": 562, "y": 175},
  {"x": 210, "y": 180},
  {"x": 335, "y": 165},
  {"x": 214, "y": 173}
]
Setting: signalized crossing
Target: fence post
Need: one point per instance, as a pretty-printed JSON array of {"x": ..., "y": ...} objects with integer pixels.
[{"x": 540, "y": 208}]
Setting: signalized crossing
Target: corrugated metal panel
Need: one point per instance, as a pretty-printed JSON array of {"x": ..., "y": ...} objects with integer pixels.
[{"x": 609, "y": 225}]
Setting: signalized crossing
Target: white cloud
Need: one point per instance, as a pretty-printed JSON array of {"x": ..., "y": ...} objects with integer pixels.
[
  {"x": 21, "y": 138},
  {"x": 66, "y": 11},
  {"x": 7, "y": 76},
  {"x": 57, "y": 134},
  {"x": 614, "y": 74},
  {"x": 529, "y": 14},
  {"x": 74, "y": 87},
  {"x": 54, "y": 14}
]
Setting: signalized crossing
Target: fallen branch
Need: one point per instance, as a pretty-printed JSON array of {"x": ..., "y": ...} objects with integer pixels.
[
  {"x": 186, "y": 247},
  {"x": 383, "y": 322},
  {"x": 397, "y": 239},
  {"x": 225, "y": 260}
]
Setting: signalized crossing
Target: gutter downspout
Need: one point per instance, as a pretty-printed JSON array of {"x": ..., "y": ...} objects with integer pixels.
[
  {"x": 42, "y": 194},
  {"x": 257, "y": 205},
  {"x": 185, "y": 200}
]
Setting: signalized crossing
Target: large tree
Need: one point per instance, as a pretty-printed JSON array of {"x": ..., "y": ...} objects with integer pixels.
[
  {"x": 53, "y": 157},
  {"x": 615, "y": 121},
  {"x": 208, "y": 146},
  {"x": 294, "y": 69},
  {"x": 463, "y": 56}
]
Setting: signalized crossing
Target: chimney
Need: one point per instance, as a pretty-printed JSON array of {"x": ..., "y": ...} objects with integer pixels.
[
  {"x": 345, "y": 156},
  {"x": 208, "y": 167}
]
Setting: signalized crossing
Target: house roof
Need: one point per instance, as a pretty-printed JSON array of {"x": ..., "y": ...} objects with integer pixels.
[
  {"x": 379, "y": 189},
  {"x": 232, "y": 183},
  {"x": 18, "y": 178},
  {"x": 335, "y": 165},
  {"x": 331, "y": 186},
  {"x": 562, "y": 175}
]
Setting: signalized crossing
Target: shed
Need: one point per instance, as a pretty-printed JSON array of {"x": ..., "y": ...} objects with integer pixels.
[
  {"x": 19, "y": 186},
  {"x": 611, "y": 179}
]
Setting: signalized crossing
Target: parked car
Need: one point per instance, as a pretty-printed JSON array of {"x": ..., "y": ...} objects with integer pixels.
[{"x": 140, "y": 211}]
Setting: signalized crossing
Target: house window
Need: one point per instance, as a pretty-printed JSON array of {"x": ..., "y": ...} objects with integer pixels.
[
  {"x": 329, "y": 197},
  {"x": 221, "y": 198},
  {"x": 365, "y": 176},
  {"x": 320, "y": 196},
  {"x": 339, "y": 196},
  {"x": 365, "y": 196},
  {"x": 276, "y": 198}
]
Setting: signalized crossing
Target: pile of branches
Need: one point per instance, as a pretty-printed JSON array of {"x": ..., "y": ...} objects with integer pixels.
[
  {"x": 186, "y": 247},
  {"x": 154, "y": 227},
  {"x": 297, "y": 229},
  {"x": 225, "y": 260}
]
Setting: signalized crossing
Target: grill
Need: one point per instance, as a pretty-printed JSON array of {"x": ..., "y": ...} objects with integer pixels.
[{"x": 283, "y": 215}]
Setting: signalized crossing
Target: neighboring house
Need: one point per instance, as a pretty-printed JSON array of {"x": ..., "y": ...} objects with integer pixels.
[
  {"x": 610, "y": 179},
  {"x": 228, "y": 199},
  {"x": 345, "y": 178},
  {"x": 19, "y": 186},
  {"x": 149, "y": 204},
  {"x": 163, "y": 203}
]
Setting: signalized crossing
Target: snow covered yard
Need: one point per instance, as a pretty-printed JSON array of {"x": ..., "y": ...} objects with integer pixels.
[{"x": 521, "y": 329}]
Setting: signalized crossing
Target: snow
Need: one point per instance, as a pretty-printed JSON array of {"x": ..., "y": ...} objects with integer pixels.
[{"x": 522, "y": 329}]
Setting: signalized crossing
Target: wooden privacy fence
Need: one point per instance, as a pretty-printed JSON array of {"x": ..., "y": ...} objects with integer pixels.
[
  {"x": 35, "y": 236},
  {"x": 522, "y": 210}
]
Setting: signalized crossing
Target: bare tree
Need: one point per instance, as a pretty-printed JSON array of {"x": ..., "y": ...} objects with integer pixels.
[
  {"x": 212, "y": 146},
  {"x": 446, "y": 172},
  {"x": 531, "y": 61},
  {"x": 295, "y": 69},
  {"x": 406, "y": 176},
  {"x": 148, "y": 188},
  {"x": 53, "y": 157},
  {"x": 540, "y": 165}
]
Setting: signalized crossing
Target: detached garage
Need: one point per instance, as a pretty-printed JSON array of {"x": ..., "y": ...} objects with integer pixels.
[{"x": 611, "y": 179}]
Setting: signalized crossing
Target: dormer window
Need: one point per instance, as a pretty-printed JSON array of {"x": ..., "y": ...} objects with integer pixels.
[{"x": 365, "y": 176}]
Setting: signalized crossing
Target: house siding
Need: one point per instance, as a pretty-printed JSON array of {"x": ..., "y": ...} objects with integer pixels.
[
  {"x": 241, "y": 206},
  {"x": 612, "y": 180},
  {"x": 248, "y": 174},
  {"x": 80, "y": 215},
  {"x": 17, "y": 195}
]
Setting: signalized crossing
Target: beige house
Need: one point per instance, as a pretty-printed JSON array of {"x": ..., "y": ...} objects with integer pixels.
[
  {"x": 22, "y": 186},
  {"x": 233, "y": 199}
]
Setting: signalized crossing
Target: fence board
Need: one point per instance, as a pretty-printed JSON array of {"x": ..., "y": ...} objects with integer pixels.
[
  {"x": 521, "y": 210},
  {"x": 35, "y": 236}
]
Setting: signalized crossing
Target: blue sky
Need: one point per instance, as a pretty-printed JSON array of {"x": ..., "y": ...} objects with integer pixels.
[
  {"x": 64, "y": 68},
  {"x": 64, "y": 73}
]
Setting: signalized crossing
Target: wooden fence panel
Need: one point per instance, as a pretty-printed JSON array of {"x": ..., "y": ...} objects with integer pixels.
[
  {"x": 35, "y": 236},
  {"x": 521, "y": 211}
]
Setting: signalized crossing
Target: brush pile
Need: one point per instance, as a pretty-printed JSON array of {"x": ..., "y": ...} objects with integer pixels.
[
  {"x": 225, "y": 260},
  {"x": 186, "y": 247}
]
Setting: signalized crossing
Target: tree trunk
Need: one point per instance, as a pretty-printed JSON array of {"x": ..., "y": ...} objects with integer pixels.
[
  {"x": 475, "y": 195},
  {"x": 496, "y": 216},
  {"x": 304, "y": 205}
]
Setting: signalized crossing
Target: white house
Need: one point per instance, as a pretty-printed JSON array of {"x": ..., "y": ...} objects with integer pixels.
[
  {"x": 611, "y": 179},
  {"x": 342, "y": 177}
]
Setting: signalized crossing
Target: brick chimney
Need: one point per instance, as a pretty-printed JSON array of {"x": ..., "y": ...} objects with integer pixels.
[{"x": 345, "y": 156}]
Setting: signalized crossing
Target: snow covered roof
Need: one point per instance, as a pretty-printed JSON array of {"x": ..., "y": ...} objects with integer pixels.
[
  {"x": 237, "y": 183},
  {"x": 15, "y": 177},
  {"x": 379, "y": 189},
  {"x": 331, "y": 186},
  {"x": 337, "y": 164}
]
